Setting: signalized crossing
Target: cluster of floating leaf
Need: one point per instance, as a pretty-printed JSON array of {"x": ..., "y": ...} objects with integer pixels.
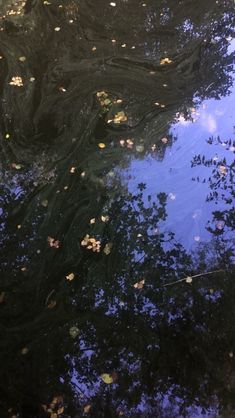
[
  {"x": 16, "y": 81},
  {"x": 55, "y": 408},
  {"x": 54, "y": 243},
  {"x": 106, "y": 104},
  {"x": 91, "y": 243}
]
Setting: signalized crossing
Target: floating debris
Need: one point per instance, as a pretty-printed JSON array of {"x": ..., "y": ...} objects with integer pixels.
[
  {"x": 165, "y": 61},
  {"x": 139, "y": 285},
  {"x": 74, "y": 332},
  {"x": 16, "y": 81},
  {"x": 107, "y": 378},
  {"x": 120, "y": 117},
  {"x": 54, "y": 243},
  {"x": 70, "y": 277},
  {"x": 91, "y": 243}
]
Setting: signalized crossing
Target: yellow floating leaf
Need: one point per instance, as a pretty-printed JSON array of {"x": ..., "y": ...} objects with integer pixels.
[
  {"x": 16, "y": 81},
  {"x": 22, "y": 59},
  {"x": 120, "y": 117},
  {"x": 7, "y": 136},
  {"x": 70, "y": 277},
  {"x": 74, "y": 332},
  {"x": 107, "y": 378},
  {"x": 57, "y": 29},
  {"x": 101, "y": 145},
  {"x": 139, "y": 285},
  {"x": 165, "y": 61},
  {"x": 102, "y": 94},
  {"x": 92, "y": 221},
  {"x": 72, "y": 170},
  {"x": 104, "y": 218}
]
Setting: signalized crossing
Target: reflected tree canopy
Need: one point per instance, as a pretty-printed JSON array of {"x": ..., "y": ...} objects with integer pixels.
[{"x": 93, "y": 286}]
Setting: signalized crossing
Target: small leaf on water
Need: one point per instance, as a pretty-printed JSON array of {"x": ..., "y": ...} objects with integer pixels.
[
  {"x": 86, "y": 409},
  {"x": 70, "y": 277},
  {"x": 16, "y": 166},
  {"x": 165, "y": 61},
  {"x": 107, "y": 102},
  {"x": 188, "y": 279},
  {"x": 74, "y": 332},
  {"x": 52, "y": 304},
  {"x": 139, "y": 285},
  {"x": 54, "y": 243},
  {"x": 44, "y": 203},
  {"x": 223, "y": 170},
  {"x": 107, "y": 378},
  {"x": 139, "y": 148},
  {"x": 60, "y": 410},
  {"x": 22, "y": 59},
  {"x": 107, "y": 248},
  {"x": 92, "y": 221},
  {"x": 104, "y": 218},
  {"x": 101, "y": 145},
  {"x": 24, "y": 350},
  {"x": 72, "y": 170}
]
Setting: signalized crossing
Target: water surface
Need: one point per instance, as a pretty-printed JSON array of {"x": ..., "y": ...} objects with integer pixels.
[{"x": 117, "y": 209}]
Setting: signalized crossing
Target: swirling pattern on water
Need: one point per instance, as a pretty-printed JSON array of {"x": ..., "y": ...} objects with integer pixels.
[{"x": 91, "y": 321}]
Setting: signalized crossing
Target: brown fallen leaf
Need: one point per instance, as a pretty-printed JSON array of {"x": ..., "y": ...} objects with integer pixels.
[
  {"x": 24, "y": 350},
  {"x": 52, "y": 304},
  {"x": 223, "y": 170},
  {"x": 54, "y": 243},
  {"x": 87, "y": 409}
]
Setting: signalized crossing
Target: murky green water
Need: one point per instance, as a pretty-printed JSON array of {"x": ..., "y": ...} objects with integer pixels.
[{"x": 117, "y": 209}]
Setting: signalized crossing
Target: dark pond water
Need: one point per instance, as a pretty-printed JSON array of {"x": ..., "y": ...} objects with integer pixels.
[{"x": 117, "y": 291}]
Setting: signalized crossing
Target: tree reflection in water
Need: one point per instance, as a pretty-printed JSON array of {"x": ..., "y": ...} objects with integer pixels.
[{"x": 166, "y": 347}]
